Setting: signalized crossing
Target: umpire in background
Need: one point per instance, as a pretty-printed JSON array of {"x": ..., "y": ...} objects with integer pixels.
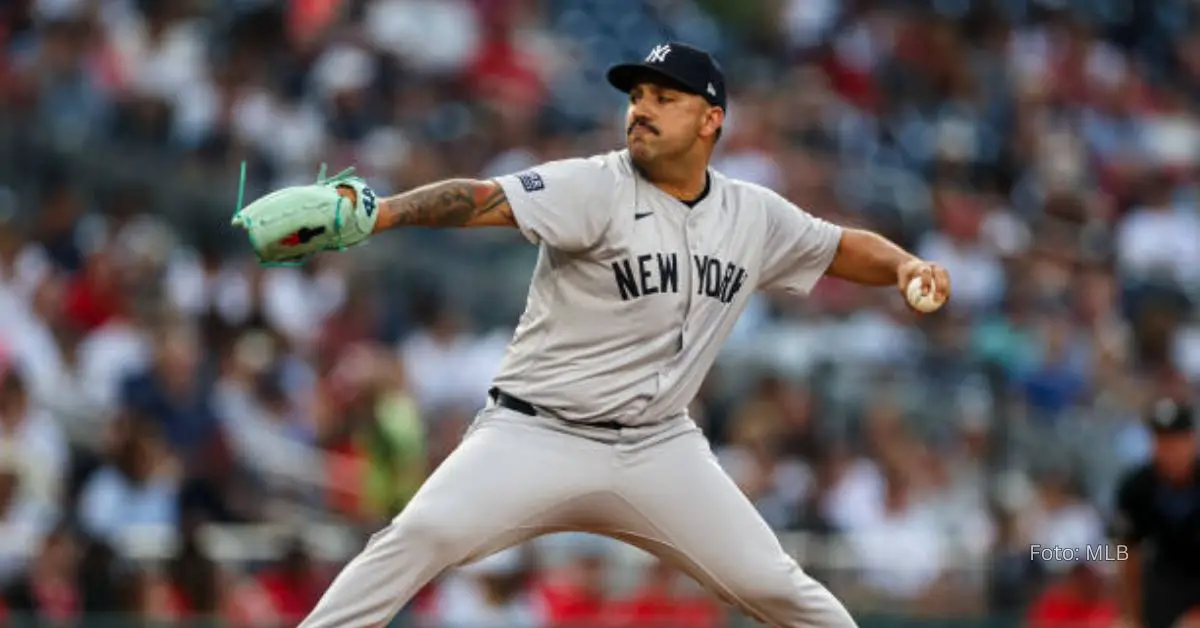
[{"x": 1158, "y": 519}]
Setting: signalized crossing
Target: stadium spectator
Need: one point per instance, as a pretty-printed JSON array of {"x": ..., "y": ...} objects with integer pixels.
[
  {"x": 575, "y": 593},
  {"x": 490, "y": 592},
  {"x": 33, "y": 446},
  {"x": 1078, "y": 599},
  {"x": 48, "y": 592},
  {"x": 663, "y": 600},
  {"x": 295, "y": 585},
  {"x": 138, "y": 485}
]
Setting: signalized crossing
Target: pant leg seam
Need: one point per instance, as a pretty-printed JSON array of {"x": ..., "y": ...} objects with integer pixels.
[
  {"x": 675, "y": 546},
  {"x": 522, "y": 526},
  {"x": 525, "y": 525}
]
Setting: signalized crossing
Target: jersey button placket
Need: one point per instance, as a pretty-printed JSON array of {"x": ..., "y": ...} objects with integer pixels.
[{"x": 689, "y": 240}]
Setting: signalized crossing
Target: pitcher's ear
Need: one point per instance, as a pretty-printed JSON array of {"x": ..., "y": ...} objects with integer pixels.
[{"x": 716, "y": 117}]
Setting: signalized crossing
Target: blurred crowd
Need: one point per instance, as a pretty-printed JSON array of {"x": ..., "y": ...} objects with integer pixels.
[{"x": 155, "y": 378}]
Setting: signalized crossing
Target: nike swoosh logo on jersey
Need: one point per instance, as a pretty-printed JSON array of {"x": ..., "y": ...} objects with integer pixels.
[{"x": 643, "y": 215}]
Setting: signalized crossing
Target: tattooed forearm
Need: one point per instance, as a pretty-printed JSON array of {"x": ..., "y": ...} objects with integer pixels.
[{"x": 451, "y": 203}]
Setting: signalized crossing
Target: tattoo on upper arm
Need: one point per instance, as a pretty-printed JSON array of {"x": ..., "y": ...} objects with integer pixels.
[{"x": 451, "y": 203}]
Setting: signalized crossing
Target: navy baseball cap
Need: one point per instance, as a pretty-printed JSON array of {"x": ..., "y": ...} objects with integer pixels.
[
  {"x": 687, "y": 67},
  {"x": 1169, "y": 417}
]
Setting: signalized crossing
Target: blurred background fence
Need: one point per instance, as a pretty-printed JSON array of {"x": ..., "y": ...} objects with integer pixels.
[{"x": 188, "y": 438}]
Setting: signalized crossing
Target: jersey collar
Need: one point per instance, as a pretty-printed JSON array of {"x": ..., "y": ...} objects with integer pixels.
[
  {"x": 703, "y": 195},
  {"x": 692, "y": 204}
]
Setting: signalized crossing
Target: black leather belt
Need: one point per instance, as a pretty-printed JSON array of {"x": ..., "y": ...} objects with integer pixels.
[{"x": 516, "y": 404}]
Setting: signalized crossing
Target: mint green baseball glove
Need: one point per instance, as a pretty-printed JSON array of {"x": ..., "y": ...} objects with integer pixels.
[{"x": 288, "y": 226}]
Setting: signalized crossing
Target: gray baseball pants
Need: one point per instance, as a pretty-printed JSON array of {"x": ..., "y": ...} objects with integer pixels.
[{"x": 515, "y": 477}]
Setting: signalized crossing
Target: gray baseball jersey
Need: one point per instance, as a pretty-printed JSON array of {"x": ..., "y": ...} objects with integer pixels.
[{"x": 634, "y": 292}]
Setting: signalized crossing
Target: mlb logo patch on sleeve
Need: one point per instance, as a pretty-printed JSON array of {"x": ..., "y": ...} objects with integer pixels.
[{"x": 531, "y": 181}]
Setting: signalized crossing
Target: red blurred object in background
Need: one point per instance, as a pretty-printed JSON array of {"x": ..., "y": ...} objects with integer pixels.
[
  {"x": 307, "y": 18},
  {"x": 501, "y": 71},
  {"x": 1079, "y": 601},
  {"x": 94, "y": 296},
  {"x": 658, "y": 602}
]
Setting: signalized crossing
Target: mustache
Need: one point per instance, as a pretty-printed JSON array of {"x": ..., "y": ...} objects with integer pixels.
[{"x": 641, "y": 123}]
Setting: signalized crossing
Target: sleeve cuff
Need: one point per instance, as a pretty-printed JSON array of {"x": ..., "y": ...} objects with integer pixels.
[{"x": 832, "y": 235}]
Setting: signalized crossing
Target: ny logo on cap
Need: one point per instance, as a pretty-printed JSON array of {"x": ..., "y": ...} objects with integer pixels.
[
  {"x": 712, "y": 91},
  {"x": 659, "y": 54}
]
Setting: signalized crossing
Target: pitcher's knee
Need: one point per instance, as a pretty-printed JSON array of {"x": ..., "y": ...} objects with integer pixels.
[
  {"x": 773, "y": 588},
  {"x": 425, "y": 534}
]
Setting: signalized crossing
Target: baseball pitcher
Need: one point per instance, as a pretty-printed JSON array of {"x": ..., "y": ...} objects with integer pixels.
[{"x": 646, "y": 258}]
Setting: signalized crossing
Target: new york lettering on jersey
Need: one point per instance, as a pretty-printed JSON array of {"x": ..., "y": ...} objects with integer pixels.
[
  {"x": 718, "y": 279},
  {"x": 658, "y": 273},
  {"x": 647, "y": 274}
]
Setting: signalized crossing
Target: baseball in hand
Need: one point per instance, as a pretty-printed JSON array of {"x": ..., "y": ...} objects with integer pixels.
[{"x": 922, "y": 301}]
